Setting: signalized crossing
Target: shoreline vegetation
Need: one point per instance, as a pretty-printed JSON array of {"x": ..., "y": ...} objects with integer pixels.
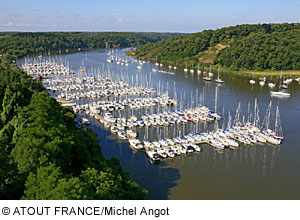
[
  {"x": 258, "y": 49},
  {"x": 205, "y": 67},
  {"x": 44, "y": 154},
  {"x": 21, "y": 44}
]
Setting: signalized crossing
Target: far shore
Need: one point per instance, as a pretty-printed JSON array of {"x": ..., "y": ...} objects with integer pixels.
[
  {"x": 270, "y": 73},
  {"x": 242, "y": 73}
]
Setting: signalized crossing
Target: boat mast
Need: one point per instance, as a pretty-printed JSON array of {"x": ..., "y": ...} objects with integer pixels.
[
  {"x": 229, "y": 121},
  {"x": 237, "y": 115},
  {"x": 280, "y": 81},
  {"x": 216, "y": 99},
  {"x": 266, "y": 121},
  {"x": 278, "y": 126}
]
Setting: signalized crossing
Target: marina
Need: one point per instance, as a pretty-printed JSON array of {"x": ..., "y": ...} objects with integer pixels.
[
  {"x": 101, "y": 86},
  {"x": 154, "y": 113}
]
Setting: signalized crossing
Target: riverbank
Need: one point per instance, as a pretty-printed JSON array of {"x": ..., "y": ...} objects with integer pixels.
[
  {"x": 181, "y": 64},
  {"x": 292, "y": 73}
]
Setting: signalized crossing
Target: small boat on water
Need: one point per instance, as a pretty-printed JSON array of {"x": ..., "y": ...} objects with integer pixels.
[
  {"x": 131, "y": 133},
  {"x": 198, "y": 70},
  {"x": 207, "y": 78},
  {"x": 252, "y": 81},
  {"x": 271, "y": 85},
  {"x": 185, "y": 69},
  {"x": 153, "y": 155},
  {"x": 188, "y": 147},
  {"x": 280, "y": 93},
  {"x": 218, "y": 80},
  {"x": 122, "y": 134},
  {"x": 114, "y": 129},
  {"x": 171, "y": 153},
  {"x": 97, "y": 117},
  {"x": 135, "y": 143},
  {"x": 262, "y": 81},
  {"x": 282, "y": 89},
  {"x": 192, "y": 70},
  {"x": 84, "y": 121},
  {"x": 288, "y": 81},
  {"x": 210, "y": 73}
]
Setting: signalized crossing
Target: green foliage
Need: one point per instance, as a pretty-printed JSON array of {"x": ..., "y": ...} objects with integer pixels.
[
  {"x": 10, "y": 180},
  {"x": 109, "y": 184},
  {"x": 254, "y": 47},
  {"x": 261, "y": 51},
  {"x": 43, "y": 155},
  {"x": 22, "y": 44},
  {"x": 49, "y": 183},
  {"x": 45, "y": 138}
]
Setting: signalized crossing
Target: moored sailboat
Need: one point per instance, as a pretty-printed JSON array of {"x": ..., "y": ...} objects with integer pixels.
[
  {"x": 252, "y": 81},
  {"x": 281, "y": 92},
  {"x": 218, "y": 80}
]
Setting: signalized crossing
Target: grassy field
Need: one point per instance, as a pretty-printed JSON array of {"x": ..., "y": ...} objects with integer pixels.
[{"x": 210, "y": 54}]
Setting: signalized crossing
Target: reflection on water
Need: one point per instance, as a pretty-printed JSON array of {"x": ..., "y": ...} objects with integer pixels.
[{"x": 249, "y": 172}]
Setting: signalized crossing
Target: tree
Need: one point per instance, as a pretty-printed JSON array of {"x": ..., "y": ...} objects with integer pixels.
[
  {"x": 109, "y": 184},
  {"x": 50, "y": 183}
]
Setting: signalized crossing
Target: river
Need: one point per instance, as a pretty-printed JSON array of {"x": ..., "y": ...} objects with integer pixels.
[{"x": 249, "y": 172}]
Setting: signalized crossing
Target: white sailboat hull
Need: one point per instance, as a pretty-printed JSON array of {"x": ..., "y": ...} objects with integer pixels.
[{"x": 283, "y": 94}]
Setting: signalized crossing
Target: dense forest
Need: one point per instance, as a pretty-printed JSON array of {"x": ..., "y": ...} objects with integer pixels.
[
  {"x": 246, "y": 47},
  {"x": 44, "y": 155},
  {"x": 22, "y": 44}
]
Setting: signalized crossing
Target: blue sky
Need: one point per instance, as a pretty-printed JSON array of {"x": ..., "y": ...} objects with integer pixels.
[{"x": 140, "y": 15}]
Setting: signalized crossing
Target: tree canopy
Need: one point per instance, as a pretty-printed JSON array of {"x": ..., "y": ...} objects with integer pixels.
[
  {"x": 44, "y": 155},
  {"x": 22, "y": 44},
  {"x": 252, "y": 47}
]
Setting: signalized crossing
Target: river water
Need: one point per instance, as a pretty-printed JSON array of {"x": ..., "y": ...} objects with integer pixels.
[{"x": 249, "y": 172}]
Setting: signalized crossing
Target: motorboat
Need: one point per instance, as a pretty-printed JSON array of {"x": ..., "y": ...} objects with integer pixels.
[{"x": 135, "y": 143}]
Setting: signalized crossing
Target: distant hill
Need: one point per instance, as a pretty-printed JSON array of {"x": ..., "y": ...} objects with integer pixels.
[
  {"x": 23, "y": 43},
  {"x": 249, "y": 47}
]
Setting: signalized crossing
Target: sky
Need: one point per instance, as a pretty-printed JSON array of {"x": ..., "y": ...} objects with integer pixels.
[{"x": 186, "y": 16}]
